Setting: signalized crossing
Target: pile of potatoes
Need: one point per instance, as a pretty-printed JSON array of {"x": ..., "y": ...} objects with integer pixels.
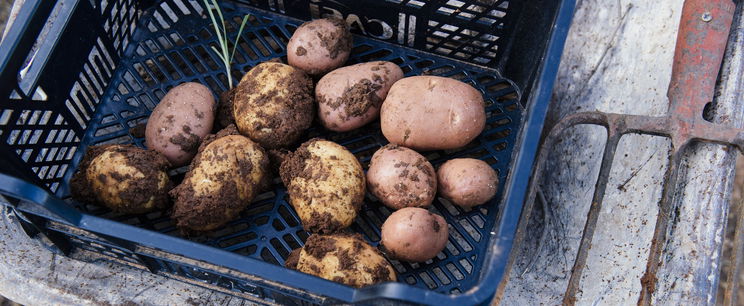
[{"x": 267, "y": 114}]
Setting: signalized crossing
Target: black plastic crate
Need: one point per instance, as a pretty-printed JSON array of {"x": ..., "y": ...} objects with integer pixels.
[{"x": 78, "y": 73}]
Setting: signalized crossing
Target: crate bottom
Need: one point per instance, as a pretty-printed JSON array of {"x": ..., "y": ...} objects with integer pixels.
[{"x": 164, "y": 53}]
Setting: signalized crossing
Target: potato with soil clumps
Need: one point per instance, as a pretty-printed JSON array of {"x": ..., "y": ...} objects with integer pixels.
[
  {"x": 414, "y": 234},
  {"x": 325, "y": 183},
  {"x": 467, "y": 182},
  {"x": 350, "y": 97},
  {"x": 124, "y": 178},
  {"x": 227, "y": 173},
  {"x": 401, "y": 177},
  {"x": 342, "y": 258},
  {"x": 180, "y": 121},
  {"x": 320, "y": 45},
  {"x": 273, "y": 104},
  {"x": 432, "y": 113}
]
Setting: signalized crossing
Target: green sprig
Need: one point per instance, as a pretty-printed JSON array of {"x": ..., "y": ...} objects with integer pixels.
[{"x": 225, "y": 55}]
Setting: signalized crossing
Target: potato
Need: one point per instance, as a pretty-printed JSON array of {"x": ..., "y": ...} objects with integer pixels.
[
  {"x": 180, "y": 121},
  {"x": 293, "y": 259},
  {"x": 414, "y": 234},
  {"x": 273, "y": 104},
  {"x": 401, "y": 177},
  {"x": 227, "y": 173},
  {"x": 124, "y": 178},
  {"x": 343, "y": 258},
  {"x": 319, "y": 46},
  {"x": 467, "y": 182},
  {"x": 325, "y": 183},
  {"x": 350, "y": 97},
  {"x": 432, "y": 113}
]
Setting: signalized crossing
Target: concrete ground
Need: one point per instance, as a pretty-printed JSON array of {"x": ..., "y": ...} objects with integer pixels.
[
  {"x": 5, "y": 6},
  {"x": 737, "y": 203},
  {"x": 4, "y": 12}
]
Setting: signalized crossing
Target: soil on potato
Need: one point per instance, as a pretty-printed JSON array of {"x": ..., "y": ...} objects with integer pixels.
[
  {"x": 194, "y": 213},
  {"x": 290, "y": 116},
  {"x": 224, "y": 114},
  {"x": 149, "y": 163},
  {"x": 293, "y": 165}
]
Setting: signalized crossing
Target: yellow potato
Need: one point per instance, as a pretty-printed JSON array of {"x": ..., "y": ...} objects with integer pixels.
[
  {"x": 226, "y": 174},
  {"x": 273, "y": 104},
  {"x": 123, "y": 178},
  {"x": 345, "y": 259},
  {"x": 326, "y": 185}
]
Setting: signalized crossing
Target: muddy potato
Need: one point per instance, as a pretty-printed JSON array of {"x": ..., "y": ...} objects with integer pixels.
[
  {"x": 273, "y": 104},
  {"x": 342, "y": 258},
  {"x": 401, "y": 177},
  {"x": 414, "y": 234},
  {"x": 432, "y": 113},
  {"x": 293, "y": 259},
  {"x": 179, "y": 122},
  {"x": 123, "y": 178},
  {"x": 350, "y": 97},
  {"x": 227, "y": 173},
  {"x": 319, "y": 46},
  {"x": 325, "y": 183},
  {"x": 467, "y": 182}
]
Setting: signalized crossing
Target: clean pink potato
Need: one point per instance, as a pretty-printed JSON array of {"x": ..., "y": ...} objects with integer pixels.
[
  {"x": 319, "y": 46},
  {"x": 414, "y": 234},
  {"x": 180, "y": 121},
  {"x": 432, "y": 113},
  {"x": 401, "y": 177},
  {"x": 350, "y": 97},
  {"x": 467, "y": 182}
]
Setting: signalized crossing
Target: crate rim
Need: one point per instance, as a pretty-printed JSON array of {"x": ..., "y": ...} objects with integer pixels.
[{"x": 499, "y": 248}]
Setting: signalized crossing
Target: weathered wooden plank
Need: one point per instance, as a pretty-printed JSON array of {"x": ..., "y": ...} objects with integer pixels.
[
  {"x": 617, "y": 59},
  {"x": 32, "y": 275},
  {"x": 540, "y": 274},
  {"x": 690, "y": 270},
  {"x": 626, "y": 223}
]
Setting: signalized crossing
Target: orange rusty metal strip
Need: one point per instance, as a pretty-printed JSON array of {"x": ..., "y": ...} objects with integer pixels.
[{"x": 701, "y": 41}]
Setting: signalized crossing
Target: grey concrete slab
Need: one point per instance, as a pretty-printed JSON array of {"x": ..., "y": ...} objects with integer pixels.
[{"x": 32, "y": 275}]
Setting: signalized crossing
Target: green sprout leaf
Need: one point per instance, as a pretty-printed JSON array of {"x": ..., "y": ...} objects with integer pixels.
[
  {"x": 224, "y": 53},
  {"x": 235, "y": 46}
]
